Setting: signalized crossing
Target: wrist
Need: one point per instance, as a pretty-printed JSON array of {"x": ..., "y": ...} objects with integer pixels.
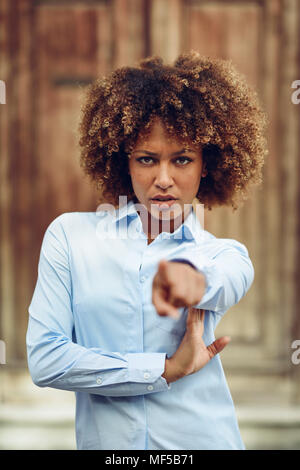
[
  {"x": 165, "y": 374},
  {"x": 171, "y": 372}
]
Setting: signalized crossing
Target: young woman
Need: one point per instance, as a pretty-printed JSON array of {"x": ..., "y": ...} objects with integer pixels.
[{"x": 128, "y": 296}]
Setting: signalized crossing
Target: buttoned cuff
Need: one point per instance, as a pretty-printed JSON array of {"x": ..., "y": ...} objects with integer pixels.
[{"x": 148, "y": 368}]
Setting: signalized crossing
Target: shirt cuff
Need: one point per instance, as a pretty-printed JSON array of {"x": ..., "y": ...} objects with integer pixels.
[
  {"x": 182, "y": 260},
  {"x": 147, "y": 368}
]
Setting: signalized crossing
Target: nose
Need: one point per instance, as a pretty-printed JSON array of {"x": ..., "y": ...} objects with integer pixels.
[{"x": 163, "y": 177}]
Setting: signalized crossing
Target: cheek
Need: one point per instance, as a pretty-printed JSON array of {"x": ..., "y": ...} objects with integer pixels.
[
  {"x": 139, "y": 178},
  {"x": 190, "y": 179}
]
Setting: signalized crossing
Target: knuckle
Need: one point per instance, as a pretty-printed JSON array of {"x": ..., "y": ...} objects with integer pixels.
[
  {"x": 172, "y": 283},
  {"x": 212, "y": 350},
  {"x": 178, "y": 292}
]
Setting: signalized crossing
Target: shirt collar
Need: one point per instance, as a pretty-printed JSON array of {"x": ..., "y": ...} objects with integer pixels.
[
  {"x": 191, "y": 229},
  {"x": 125, "y": 210}
]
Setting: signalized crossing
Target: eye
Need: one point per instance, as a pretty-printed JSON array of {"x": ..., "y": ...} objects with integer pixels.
[
  {"x": 183, "y": 161},
  {"x": 144, "y": 158},
  {"x": 187, "y": 160}
]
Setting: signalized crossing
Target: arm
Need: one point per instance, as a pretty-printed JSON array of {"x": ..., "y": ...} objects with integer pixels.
[
  {"x": 216, "y": 283},
  {"x": 228, "y": 275},
  {"x": 56, "y": 361}
]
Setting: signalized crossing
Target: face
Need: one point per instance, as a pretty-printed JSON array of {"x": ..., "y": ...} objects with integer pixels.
[{"x": 160, "y": 166}]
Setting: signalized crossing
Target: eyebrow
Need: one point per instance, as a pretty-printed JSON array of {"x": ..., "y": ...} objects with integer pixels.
[{"x": 175, "y": 153}]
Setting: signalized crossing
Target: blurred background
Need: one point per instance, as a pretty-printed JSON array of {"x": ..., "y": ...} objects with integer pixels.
[{"x": 49, "y": 51}]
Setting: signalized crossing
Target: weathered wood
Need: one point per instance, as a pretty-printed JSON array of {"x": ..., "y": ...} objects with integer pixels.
[
  {"x": 128, "y": 32},
  {"x": 50, "y": 50},
  {"x": 289, "y": 176},
  {"x": 166, "y": 28},
  {"x": 7, "y": 284}
]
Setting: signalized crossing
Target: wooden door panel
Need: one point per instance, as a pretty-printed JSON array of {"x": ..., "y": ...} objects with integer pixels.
[
  {"x": 52, "y": 49},
  {"x": 228, "y": 31},
  {"x": 70, "y": 52}
]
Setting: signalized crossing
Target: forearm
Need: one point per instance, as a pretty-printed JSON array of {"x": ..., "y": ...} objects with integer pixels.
[
  {"x": 228, "y": 276},
  {"x": 55, "y": 361}
]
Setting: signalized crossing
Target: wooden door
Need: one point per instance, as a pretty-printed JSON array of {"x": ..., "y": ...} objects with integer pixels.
[{"x": 49, "y": 51}]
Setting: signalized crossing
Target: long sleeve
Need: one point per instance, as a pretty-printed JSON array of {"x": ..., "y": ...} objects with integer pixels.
[
  {"x": 55, "y": 360},
  {"x": 228, "y": 272}
]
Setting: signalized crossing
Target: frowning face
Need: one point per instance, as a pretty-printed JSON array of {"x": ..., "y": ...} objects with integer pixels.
[{"x": 161, "y": 168}]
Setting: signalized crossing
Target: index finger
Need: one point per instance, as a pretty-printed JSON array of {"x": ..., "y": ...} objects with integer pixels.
[{"x": 163, "y": 307}]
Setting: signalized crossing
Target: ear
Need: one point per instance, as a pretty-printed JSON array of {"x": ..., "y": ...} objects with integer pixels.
[{"x": 204, "y": 171}]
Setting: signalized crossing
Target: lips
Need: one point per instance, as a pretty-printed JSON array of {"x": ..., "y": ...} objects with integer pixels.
[
  {"x": 163, "y": 204},
  {"x": 163, "y": 197},
  {"x": 163, "y": 201}
]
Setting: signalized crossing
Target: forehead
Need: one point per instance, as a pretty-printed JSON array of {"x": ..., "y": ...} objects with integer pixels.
[{"x": 157, "y": 134}]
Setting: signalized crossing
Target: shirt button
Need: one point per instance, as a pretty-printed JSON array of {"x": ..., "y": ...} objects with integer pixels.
[
  {"x": 142, "y": 279},
  {"x": 150, "y": 387},
  {"x": 99, "y": 381},
  {"x": 146, "y": 375}
]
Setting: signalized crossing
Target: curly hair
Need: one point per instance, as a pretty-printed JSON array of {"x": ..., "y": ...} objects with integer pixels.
[{"x": 200, "y": 100}]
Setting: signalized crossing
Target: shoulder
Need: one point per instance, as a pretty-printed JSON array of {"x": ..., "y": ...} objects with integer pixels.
[
  {"x": 213, "y": 245},
  {"x": 71, "y": 219},
  {"x": 71, "y": 224}
]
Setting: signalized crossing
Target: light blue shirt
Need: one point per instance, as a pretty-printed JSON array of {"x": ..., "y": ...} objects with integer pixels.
[{"x": 93, "y": 330}]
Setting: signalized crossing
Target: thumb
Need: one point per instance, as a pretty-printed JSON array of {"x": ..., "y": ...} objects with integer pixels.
[
  {"x": 162, "y": 265},
  {"x": 218, "y": 345}
]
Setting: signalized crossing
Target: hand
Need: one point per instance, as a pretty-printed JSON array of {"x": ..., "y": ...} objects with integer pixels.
[
  {"x": 176, "y": 285},
  {"x": 192, "y": 354}
]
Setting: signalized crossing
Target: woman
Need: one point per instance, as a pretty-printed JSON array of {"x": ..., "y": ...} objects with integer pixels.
[{"x": 128, "y": 297}]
